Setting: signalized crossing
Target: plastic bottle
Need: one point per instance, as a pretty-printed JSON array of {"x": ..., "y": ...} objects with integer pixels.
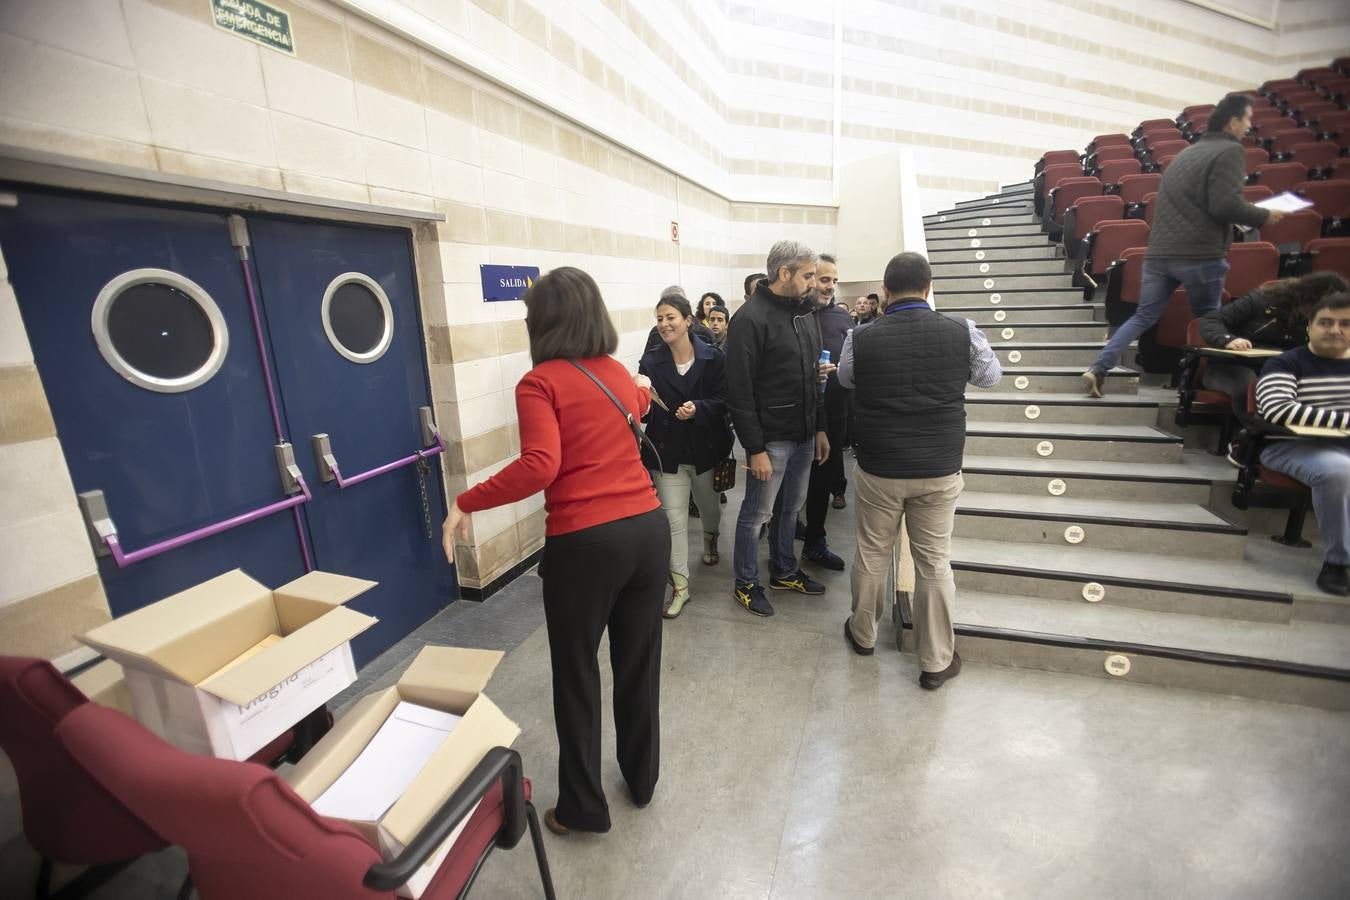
[{"x": 824, "y": 358}]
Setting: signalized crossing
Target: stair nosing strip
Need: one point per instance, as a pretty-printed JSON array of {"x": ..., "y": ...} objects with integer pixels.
[
  {"x": 1059, "y": 436},
  {"x": 1124, "y": 581},
  {"x": 1106, "y": 476},
  {"x": 1029, "y": 515}
]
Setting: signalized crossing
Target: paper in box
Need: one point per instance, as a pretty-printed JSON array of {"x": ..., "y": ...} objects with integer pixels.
[
  {"x": 444, "y": 678},
  {"x": 177, "y": 657}
]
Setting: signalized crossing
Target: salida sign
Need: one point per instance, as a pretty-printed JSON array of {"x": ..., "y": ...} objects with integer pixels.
[{"x": 507, "y": 282}]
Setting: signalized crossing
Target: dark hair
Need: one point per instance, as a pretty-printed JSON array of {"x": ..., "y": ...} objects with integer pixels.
[
  {"x": 1234, "y": 106},
  {"x": 751, "y": 281},
  {"x": 829, "y": 258},
  {"x": 719, "y": 308},
  {"x": 566, "y": 318},
  {"x": 700, "y": 314},
  {"x": 907, "y": 273},
  {"x": 874, "y": 298},
  {"x": 677, "y": 302},
  {"x": 1300, "y": 294},
  {"x": 1330, "y": 301}
]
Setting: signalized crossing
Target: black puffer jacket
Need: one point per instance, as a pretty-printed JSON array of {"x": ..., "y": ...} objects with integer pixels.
[
  {"x": 772, "y": 347},
  {"x": 1257, "y": 319},
  {"x": 1200, "y": 200}
]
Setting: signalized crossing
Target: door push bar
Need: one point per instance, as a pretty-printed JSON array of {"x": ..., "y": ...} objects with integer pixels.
[
  {"x": 328, "y": 465},
  {"x": 103, "y": 533}
]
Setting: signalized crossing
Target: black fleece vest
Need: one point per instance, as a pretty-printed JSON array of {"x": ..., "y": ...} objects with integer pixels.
[{"x": 909, "y": 372}]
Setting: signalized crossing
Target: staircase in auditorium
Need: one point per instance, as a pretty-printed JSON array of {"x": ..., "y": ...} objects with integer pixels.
[{"x": 1089, "y": 538}]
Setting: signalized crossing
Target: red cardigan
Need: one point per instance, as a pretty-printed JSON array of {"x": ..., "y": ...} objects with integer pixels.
[{"x": 574, "y": 446}]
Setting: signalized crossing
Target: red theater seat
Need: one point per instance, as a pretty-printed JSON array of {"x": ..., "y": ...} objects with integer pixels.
[
  {"x": 1331, "y": 199},
  {"x": 1330, "y": 255},
  {"x": 1280, "y": 177},
  {"x": 1250, "y": 266}
]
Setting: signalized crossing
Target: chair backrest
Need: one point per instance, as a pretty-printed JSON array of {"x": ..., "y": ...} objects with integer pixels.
[
  {"x": 1173, "y": 144},
  {"x": 1295, "y": 230},
  {"x": 1058, "y": 157},
  {"x": 1174, "y": 326},
  {"x": 1308, "y": 112},
  {"x": 1270, "y": 127},
  {"x": 1314, "y": 154},
  {"x": 1150, "y": 207},
  {"x": 1113, "y": 151},
  {"x": 1330, "y": 198},
  {"x": 1253, "y": 192},
  {"x": 1164, "y": 161},
  {"x": 1069, "y": 191},
  {"x": 1256, "y": 156},
  {"x": 1280, "y": 177},
  {"x": 1052, "y": 174},
  {"x": 1330, "y": 255},
  {"x": 1265, "y": 114},
  {"x": 1333, "y": 123},
  {"x": 1148, "y": 125},
  {"x": 1250, "y": 266},
  {"x": 1132, "y": 274},
  {"x": 1112, "y": 171},
  {"x": 67, "y": 816},
  {"x": 1285, "y": 140},
  {"x": 1275, "y": 85},
  {"x": 1090, "y": 211},
  {"x": 1340, "y": 168},
  {"x": 1102, "y": 141},
  {"x": 1193, "y": 338},
  {"x": 1114, "y": 238},
  {"x": 1192, "y": 110},
  {"x": 246, "y": 833},
  {"x": 1133, "y": 188}
]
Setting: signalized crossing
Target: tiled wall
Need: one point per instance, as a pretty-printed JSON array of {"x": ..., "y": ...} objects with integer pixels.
[{"x": 603, "y": 121}]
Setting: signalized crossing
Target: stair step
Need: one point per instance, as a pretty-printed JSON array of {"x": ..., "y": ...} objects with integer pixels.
[
  {"x": 1292, "y": 663},
  {"x": 1058, "y": 380},
  {"x": 1025, "y": 353},
  {"x": 1045, "y": 332},
  {"x": 1028, "y": 314},
  {"x": 1020, "y": 212},
  {"x": 1009, "y": 478},
  {"x": 1116, "y": 443},
  {"x": 1027, "y": 230},
  {"x": 1040, "y": 408},
  {"x": 1006, "y": 242},
  {"x": 1052, "y": 267},
  {"x": 943, "y": 284},
  {"x": 1044, "y": 253}
]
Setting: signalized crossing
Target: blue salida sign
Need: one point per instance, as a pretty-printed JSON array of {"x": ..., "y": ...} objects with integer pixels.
[{"x": 507, "y": 282}]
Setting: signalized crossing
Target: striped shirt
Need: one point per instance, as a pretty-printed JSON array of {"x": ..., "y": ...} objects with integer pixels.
[{"x": 1301, "y": 388}]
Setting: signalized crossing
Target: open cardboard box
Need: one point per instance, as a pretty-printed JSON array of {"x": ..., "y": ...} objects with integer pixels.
[
  {"x": 181, "y": 658},
  {"x": 444, "y": 678}
]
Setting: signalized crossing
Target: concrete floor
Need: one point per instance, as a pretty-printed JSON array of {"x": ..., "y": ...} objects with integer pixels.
[{"x": 794, "y": 769}]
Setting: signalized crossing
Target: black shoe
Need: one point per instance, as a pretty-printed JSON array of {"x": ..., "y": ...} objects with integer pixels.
[
  {"x": 821, "y": 555},
  {"x": 751, "y": 596},
  {"x": 800, "y": 534},
  {"x": 839, "y": 502},
  {"x": 798, "y": 581},
  {"x": 933, "y": 680},
  {"x": 724, "y": 499},
  {"x": 1334, "y": 579},
  {"x": 857, "y": 647},
  {"x": 693, "y": 509}
]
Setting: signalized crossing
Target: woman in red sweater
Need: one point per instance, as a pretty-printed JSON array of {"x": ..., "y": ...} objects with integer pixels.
[{"x": 607, "y": 542}]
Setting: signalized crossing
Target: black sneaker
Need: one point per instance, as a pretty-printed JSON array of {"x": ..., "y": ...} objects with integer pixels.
[
  {"x": 821, "y": 555},
  {"x": 798, "y": 581},
  {"x": 933, "y": 680},
  {"x": 751, "y": 596},
  {"x": 1334, "y": 579},
  {"x": 839, "y": 501}
]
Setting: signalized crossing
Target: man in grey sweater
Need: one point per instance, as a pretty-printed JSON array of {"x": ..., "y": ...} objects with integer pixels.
[{"x": 1199, "y": 201}]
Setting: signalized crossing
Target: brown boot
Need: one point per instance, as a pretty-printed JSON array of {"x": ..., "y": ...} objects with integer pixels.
[{"x": 710, "y": 554}]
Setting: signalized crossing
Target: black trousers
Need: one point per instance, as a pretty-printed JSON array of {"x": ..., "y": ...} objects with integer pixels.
[
  {"x": 608, "y": 576},
  {"x": 826, "y": 479}
]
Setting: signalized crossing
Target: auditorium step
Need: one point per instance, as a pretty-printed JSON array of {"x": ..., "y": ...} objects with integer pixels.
[
  {"x": 955, "y": 284},
  {"x": 1045, "y": 255},
  {"x": 1024, "y": 406},
  {"x": 1015, "y": 213},
  {"x": 1025, "y": 314},
  {"x": 1023, "y": 353},
  {"x": 1045, "y": 332},
  {"x": 963, "y": 241},
  {"x": 999, "y": 268},
  {"x": 1060, "y": 380},
  {"x": 1037, "y": 440},
  {"x": 1190, "y": 479},
  {"x": 945, "y": 296},
  {"x": 1027, "y": 228}
]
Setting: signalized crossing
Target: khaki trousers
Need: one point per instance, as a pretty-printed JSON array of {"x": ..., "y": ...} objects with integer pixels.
[{"x": 926, "y": 507}]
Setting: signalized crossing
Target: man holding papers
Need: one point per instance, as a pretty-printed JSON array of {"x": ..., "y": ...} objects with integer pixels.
[
  {"x": 1199, "y": 201},
  {"x": 1309, "y": 387}
]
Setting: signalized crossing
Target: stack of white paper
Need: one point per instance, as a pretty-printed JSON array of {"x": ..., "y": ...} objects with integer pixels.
[
  {"x": 388, "y": 764},
  {"x": 1285, "y": 202}
]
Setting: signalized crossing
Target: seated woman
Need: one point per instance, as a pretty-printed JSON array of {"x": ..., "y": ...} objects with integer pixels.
[
  {"x": 688, "y": 427},
  {"x": 1273, "y": 317}
]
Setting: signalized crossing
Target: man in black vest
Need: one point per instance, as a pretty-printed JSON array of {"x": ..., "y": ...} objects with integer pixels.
[{"x": 908, "y": 371}]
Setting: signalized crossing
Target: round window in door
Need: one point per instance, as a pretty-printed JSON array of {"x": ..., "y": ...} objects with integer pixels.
[
  {"x": 159, "y": 330},
  {"x": 357, "y": 317}
]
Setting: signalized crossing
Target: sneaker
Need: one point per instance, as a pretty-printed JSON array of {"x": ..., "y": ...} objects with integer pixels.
[
  {"x": 839, "y": 502},
  {"x": 1334, "y": 579},
  {"x": 724, "y": 499},
  {"x": 1094, "y": 383},
  {"x": 751, "y": 596},
  {"x": 934, "y": 680},
  {"x": 821, "y": 555},
  {"x": 1236, "y": 450},
  {"x": 679, "y": 596},
  {"x": 798, "y": 581}
]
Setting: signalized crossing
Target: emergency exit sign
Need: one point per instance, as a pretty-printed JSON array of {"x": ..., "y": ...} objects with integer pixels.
[{"x": 256, "y": 21}]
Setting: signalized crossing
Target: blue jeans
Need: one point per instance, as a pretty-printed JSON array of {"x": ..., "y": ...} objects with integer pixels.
[
  {"x": 1324, "y": 466},
  {"x": 791, "y": 462},
  {"x": 1203, "y": 280}
]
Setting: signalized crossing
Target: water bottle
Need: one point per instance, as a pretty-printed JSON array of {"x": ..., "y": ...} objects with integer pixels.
[{"x": 824, "y": 358}]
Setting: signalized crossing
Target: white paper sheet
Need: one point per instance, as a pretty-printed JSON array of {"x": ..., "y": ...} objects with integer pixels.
[
  {"x": 388, "y": 764},
  {"x": 1285, "y": 202}
]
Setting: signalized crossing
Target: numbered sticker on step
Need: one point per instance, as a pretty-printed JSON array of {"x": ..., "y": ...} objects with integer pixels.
[
  {"x": 979, "y": 254},
  {"x": 1045, "y": 448},
  {"x": 986, "y": 222},
  {"x": 999, "y": 315},
  {"x": 942, "y": 218},
  {"x": 1057, "y": 487},
  {"x": 972, "y": 232},
  {"x": 1021, "y": 382},
  {"x": 984, "y": 267},
  {"x": 975, "y": 243},
  {"x": 1014, "y": 356},
  {"x": 1118, "y": 665},
  {"x": 1074, "y": 534},
  {"x": 988, "y": 283},
  {"x": 996, "y": 299},
  {"x": 1032, "y": 412},
  {"x": 1094, "y": 592},
  {"x": 1007, "y": 332},
  {"x": 995, "y": 201}
]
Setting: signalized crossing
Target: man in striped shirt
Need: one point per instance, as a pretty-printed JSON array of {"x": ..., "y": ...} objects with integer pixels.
[{"x": 1310, "y": 385}]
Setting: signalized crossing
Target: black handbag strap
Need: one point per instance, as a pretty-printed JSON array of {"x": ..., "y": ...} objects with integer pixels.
[{"x": 633, "y": 425}]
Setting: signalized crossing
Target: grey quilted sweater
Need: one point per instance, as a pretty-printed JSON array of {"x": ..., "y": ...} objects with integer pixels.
[{"x": 1200, "y": 199}]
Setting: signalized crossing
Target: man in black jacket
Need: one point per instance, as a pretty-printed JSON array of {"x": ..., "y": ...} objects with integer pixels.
[
  {"x": 773, "y": 395},
  {"x": 1199, "y": 201}
]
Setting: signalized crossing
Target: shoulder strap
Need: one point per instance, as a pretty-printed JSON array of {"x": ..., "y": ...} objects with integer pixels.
[{"x": 633, "y": 426}]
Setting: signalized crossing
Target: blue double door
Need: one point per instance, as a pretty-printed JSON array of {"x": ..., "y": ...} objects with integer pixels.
[{"x": 175, "y": 365}]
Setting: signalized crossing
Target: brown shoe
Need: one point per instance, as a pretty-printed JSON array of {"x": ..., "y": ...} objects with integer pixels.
[
  {"x": 933, "y": 680},
  {"x": 857, "y": 647},
  {"x": 1094, "y": 383},
  {"x": 551, "y": 821},
  {"x": 710, "y": 555}
]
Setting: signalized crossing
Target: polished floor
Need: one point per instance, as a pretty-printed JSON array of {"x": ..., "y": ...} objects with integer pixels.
[{"x": 792, "y": 768}]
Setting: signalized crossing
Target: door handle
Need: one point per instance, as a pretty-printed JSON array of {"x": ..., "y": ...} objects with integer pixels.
[
  {"x": 103, "y": 533},
  {"x": 328, "y": 465}
]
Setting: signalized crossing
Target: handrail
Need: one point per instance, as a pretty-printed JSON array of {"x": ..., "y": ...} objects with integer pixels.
[
  {"x": 329, "y": 470},
  {"x": 102, "y": 528}
]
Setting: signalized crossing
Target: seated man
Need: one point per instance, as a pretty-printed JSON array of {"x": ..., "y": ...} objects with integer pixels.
[{"x": 1310, "y": 385}]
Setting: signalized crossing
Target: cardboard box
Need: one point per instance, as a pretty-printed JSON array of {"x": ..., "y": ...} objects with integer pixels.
[
  {"x": 179, "y": 658},
  {"x": 444, "y": 678}
]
